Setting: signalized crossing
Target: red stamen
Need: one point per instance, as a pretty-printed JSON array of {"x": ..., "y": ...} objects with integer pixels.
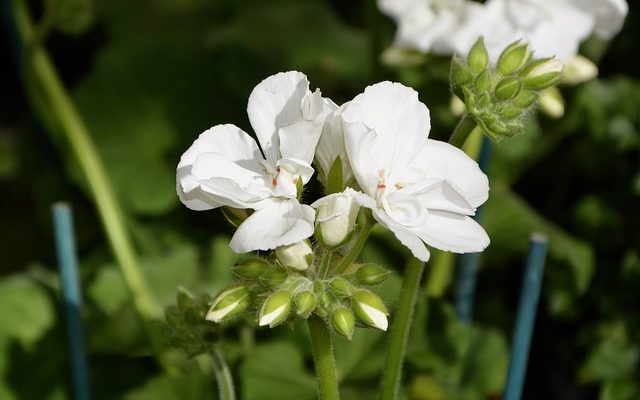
[
  {"x": 381, "y": 186},
  {"x": 274, "y": 182}
]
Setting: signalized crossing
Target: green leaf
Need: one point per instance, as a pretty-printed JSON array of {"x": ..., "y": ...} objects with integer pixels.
[
  {"x": 335, "y": 183},
  {"x": 27, "y": 310},
  {"x": 610, "y": 360},
  {"x": 486, "y": 361},
  {"x": 189, "y": 385},
  {"x": 71, "y": 16},
  {"x": 276, "y": 370}
]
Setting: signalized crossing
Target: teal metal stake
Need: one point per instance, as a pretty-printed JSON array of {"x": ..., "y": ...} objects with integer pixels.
[
  {"x": 71, "y": 298},
  {"x": 523, "y": 332}
]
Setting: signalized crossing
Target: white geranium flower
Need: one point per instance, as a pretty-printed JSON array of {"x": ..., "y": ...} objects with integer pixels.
[
  {"x": 225, "y": 167},
  {"x": 433, "y": 25},
  {"x": 423, "y": 190},
  {"x": 552, "y": 27}
]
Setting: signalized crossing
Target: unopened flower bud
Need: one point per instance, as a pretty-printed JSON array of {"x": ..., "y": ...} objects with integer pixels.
[
  {"x": 483, "y": 81},
  {"x": 343, "y": 321},
  {"x": 460, "y": 75},
  {"x": 551, "y": 102},
  {"x": 297, "y": 256},
  {"x": 526, "y": 98},
  {"x": 251, "y": 268},
  {"x": 509, "y": 111},
  {"x": 370, "y": 309},
  {"x": 273, "y": 277},
  {"x": 478, "y": 58},
  {"x": 579, "y": 69},
  {"x": 305, "y": 303},
  {"x": 372, "y": 274},
  {"x": 230, "y": 302},
  {"x": 542, "y": 74},
  {"x": 275, "y": 309},
  {"x": 457, "y": 106},
  {"x": 340, "y": 287},
  {"x": 508, "y": 88},
  {"x": 513, "y": 58},
  {"x": 335, "y": 218}
]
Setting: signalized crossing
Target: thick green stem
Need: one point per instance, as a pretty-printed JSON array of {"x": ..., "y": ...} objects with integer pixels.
[
  {"x": 462, "y": 131},
  {"x": 46, "y": 80},
  {"x": 399, "y": 335},
  {"x": 325, "y": 364},
  {"x": 361, "y": 239},
  {"x": 325, "y": 263},
  {"x": 224, "y": 380}
]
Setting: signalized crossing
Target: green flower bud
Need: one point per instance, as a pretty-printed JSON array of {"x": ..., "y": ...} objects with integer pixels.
[
  {"x": 305, "y": 303},
  {"x": 274, "y": 277},
  {"x": 508, "y": 88},
  {"x": 372, "y": 274},
  {"x": 251, "y": 268},
  {"x": 343, "y": 321},
  {"x": 526, "y": 98},
  {"x": 230, "y": 302},
  {"x": 275, "y": 309},
  {"x": 370, "y": 309},
  {"x": 513, "y": 58},
  {"x": 478, "y": 58},
  {"x": 460, "y": 76},
  {"x": 340, "y": 287},
  {"x": 510, "y": 111},
  {"x": 551, "y": 102},
  {"x": 579, "y": 69},
  {"x": 542, "y": 74},
  {"x": 483, "y": 81},
  {"x": 297, "y": 256},
  {"x": 335, "y": 218},
  {"x": 184, "y": 298}
]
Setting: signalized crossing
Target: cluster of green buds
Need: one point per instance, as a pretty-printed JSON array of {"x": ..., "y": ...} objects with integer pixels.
[
  {"x": 185, "y": 326},
  {"x": 292, "y": 282},
  {"x": 497, "y": 98}
]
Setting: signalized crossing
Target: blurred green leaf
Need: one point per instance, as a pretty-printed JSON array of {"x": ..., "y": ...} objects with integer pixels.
[
  {"x": 485, "y": 364},
  {"x": 188, "y": 385},
  {"x": 509, "y": 221},
  {"x": 620, "y": 390},
  {"x": 276, "y": 367},
  {"x": 71, "y": 16},
  {"x": 610, "y": 360},
  {"x": 27, "y": 310}
]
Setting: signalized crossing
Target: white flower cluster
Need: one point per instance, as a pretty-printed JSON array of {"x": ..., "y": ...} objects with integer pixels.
[
  {"x": 424, "y": 191},
  {"x": 552, "y": 27}
]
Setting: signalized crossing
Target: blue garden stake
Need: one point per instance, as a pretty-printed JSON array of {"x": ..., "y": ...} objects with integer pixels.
[
  {"x": 529, "y": 294},
  {"x": 468, "y": 263},
  {"x": 72, "y": 298}
]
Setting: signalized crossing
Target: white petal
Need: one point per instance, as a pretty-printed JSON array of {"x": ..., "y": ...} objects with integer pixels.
[
  {"x": 331, "y": 146},
  {"x": 436, "y": 194},
  {"x": 281, "y": 222},
  {"x": 400, "y": 121},
  {"x": 276, "y": 102},
  {"x": 228, "y": 145},
  {"x": 404, "y": 235},
  {"x": 609, "y": 15},
  {"x": 443, "y": 161},
  {"x": 366, "y": 157},
  {"x": 453, "y": 232},
  {"x": 299, "y": 139},
  {"x": 378, "y": 318}
]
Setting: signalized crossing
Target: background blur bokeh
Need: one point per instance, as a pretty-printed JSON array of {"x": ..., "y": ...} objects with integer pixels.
[{"x": 149, "y": 76}]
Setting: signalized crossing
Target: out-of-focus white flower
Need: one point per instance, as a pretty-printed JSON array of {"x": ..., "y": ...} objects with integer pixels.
[
  {"x": 433, "y": 25},
  {"x": 224, "y": 166},
  {"x": 423, "y": 190},
  {"x": 552, "y": 27},
  {"x": 335, "y": 217}
]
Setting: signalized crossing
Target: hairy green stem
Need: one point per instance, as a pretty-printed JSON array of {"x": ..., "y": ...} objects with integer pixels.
[
  {"x": 462, "y": 131},
  {"x": 325, "y": 364},
  {"x": 222, "y": 373},
  {"x": 325, "y": 263},
  {"x": 361, "y": 239},
  {"x": 399, "y": 335},
  {"x": 47, "y": 83}
]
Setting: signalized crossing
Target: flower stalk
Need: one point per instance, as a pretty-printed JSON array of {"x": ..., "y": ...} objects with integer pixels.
[
  {"x": 400, "y": 330},
  {"x": 325, "y": 364},
  {"x": 361, "y": 239},
  {"x": 462, "y": 131}
]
